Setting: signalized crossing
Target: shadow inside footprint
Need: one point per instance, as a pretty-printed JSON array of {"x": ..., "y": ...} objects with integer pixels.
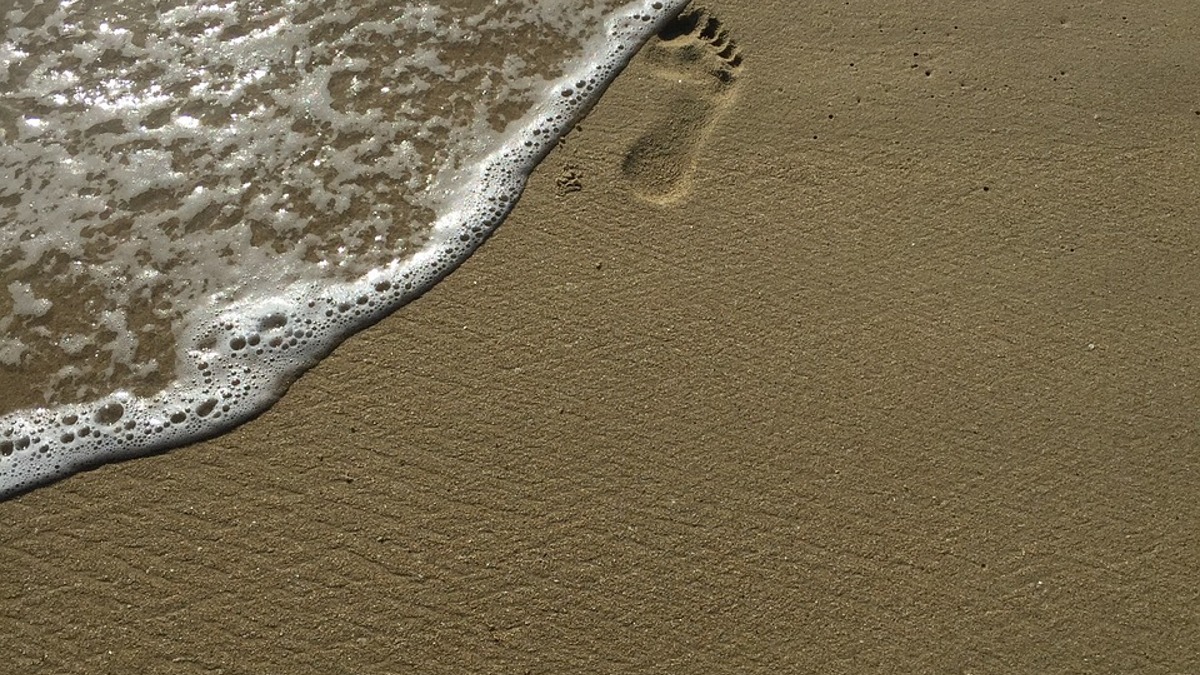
[
  {"x": 660, "y": 160},
  {"x": 696, "y": 64}
]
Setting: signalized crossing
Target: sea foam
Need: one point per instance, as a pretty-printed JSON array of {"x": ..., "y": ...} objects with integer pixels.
[{"x": 198, "y": 202}]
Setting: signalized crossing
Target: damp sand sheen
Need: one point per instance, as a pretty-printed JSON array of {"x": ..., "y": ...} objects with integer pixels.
[{"x": 200, "y": 201}]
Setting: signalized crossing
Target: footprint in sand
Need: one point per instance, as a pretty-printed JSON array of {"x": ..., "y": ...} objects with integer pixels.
[{"x": 695, "y": 66}]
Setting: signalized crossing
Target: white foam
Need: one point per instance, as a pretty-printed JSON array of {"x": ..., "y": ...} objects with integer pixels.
[
  {"x": 24, "y": 302},
  {"x": 240, "y": 344}
]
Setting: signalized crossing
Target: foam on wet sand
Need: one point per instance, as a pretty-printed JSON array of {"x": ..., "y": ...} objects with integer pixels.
[{"x": 247, "y": 314}]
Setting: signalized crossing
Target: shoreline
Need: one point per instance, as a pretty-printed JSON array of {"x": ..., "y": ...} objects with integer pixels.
[
  {"x": 756, "y": 376},
  {"x": 219, "y": 384}
]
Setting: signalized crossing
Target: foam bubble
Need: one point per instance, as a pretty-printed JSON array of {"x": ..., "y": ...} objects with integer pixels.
[{"x": 248, "y": 190}]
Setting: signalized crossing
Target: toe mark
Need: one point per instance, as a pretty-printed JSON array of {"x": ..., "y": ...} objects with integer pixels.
[
  {"x": 697, "y": 24},
  {"x": 682, "y": 25}
]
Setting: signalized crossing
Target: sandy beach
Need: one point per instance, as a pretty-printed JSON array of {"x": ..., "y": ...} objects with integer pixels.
[{"x": 865, "y": 344}]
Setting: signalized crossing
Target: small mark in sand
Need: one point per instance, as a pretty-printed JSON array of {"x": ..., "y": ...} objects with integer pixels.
[{"x": 570, "y": 179}]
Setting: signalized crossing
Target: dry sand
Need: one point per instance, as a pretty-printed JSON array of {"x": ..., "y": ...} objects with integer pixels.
[{"x": 879, "y": 357}]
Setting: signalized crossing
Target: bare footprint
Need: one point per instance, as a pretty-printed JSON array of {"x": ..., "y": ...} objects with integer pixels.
[{"x": 696, "y": 66}]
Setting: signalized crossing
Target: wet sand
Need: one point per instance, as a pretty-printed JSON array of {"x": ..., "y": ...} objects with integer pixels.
[{"x": 872, "y": 350}]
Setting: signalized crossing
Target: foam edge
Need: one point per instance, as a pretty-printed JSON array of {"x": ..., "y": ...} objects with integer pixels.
[{"x": 236, "y": 364}]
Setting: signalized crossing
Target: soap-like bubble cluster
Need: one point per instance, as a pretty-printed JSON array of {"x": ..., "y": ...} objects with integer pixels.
[{"x": 241, "y": 186}]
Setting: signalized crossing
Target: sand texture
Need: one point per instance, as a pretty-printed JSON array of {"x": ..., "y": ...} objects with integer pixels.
[{"x": 865, "y": 345}]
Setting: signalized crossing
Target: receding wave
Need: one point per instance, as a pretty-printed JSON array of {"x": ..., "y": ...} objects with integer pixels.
[{"x": 199, "y": 201}]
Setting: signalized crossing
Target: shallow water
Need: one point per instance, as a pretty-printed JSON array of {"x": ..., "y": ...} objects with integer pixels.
[{"x": 198, "y": 201}]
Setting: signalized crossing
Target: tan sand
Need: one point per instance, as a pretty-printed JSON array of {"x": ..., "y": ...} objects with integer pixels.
[{"x": 880, "y": 356}]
